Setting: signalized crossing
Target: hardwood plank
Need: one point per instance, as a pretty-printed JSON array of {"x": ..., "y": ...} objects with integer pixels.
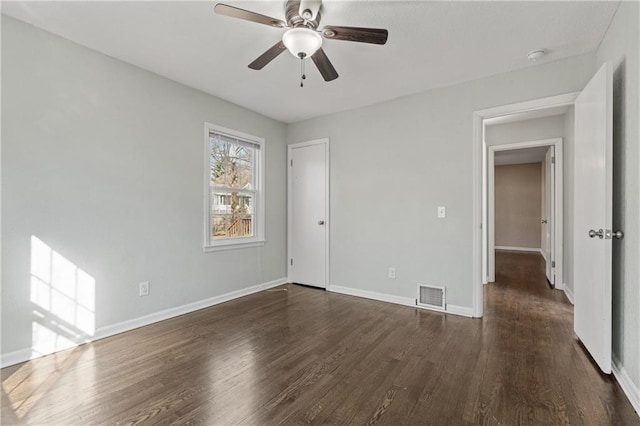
[{"x": 305, "y": 356}]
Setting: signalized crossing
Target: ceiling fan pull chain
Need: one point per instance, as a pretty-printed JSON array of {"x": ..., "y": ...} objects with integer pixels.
[{"x": 302, "y": 73}]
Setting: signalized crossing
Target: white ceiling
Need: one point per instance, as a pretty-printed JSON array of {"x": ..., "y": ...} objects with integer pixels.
[{"x": 431, "y": 44}]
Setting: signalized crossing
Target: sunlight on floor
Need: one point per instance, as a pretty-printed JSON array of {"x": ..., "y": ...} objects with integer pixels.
[{"x": 26, "y": 386}]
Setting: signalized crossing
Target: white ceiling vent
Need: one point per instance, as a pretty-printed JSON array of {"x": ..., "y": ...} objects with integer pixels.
[{"x": 432, "y": 297}]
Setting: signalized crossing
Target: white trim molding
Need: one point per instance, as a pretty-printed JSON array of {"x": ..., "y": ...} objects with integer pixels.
[
  {"x": 568, "y": 292},
  {"x": 381, "y": 297},
  {"x": 462, "y": 311},
  {"x": 626, "y": 383},
  {"x": 234, "y": 246},
  {"x": 528, "y": 249},
  {"x": 398, "y": 300},
  {"x": 16, "y": 357},
  {"x": 26, "y": 354}
]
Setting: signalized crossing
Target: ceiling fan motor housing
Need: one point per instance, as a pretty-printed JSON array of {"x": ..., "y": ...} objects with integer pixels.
[{"x": 294, "y": 16}]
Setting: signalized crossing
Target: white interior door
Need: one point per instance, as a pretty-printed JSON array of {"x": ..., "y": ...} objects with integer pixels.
[
  {"x": 308, "y": 220},
  {"x": 548, "y": 222},
  {"x": 593, "y": 217}
]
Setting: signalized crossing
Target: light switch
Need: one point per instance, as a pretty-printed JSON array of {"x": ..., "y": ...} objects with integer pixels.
[{"x": 442, "y": 212}]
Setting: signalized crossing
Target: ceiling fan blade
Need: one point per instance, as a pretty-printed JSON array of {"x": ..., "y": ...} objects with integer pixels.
[
  {"x": 268, "y": 56},
  {"x": 361, "y": 35},
  {"x": 235, "y": 12},
  {"x": 324, "y": 65}
]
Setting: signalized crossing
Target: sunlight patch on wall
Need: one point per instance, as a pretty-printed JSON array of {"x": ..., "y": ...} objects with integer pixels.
[{"x": 64, "y": 299}]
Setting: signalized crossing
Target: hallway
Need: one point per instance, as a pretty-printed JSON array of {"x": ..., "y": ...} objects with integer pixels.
[{"x": 540, "y": 366}]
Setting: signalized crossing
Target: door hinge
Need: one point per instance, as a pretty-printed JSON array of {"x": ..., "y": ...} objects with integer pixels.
[
  {"x": 291, "y": 163},
  {"x": 291, "y": 262},
  {"x": 553, "y": 263},
  {"x": 553, "y": 160}
]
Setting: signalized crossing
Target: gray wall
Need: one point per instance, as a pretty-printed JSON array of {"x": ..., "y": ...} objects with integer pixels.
[
  {"x": 518, "y": 201},
  {"x": 418, "y": 151},
  {"x": 103, "y": 162},
  {"x": 621, "y": 47},
  {"x": 525, "y": 130}
]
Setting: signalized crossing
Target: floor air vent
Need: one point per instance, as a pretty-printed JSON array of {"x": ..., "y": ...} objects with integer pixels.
[{"x": 432, "y": 297}]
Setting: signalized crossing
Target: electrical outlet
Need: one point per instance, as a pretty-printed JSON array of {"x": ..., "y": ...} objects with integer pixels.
[
  {"x": 144, "y": 288},
  {"x": 392, "y": 273},
  {"x": 442, "y": 212}
]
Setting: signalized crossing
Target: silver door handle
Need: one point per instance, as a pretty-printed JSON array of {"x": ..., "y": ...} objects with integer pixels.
[
  {"x": 321, "y": 222},
  {"x": 599, "y": 234},
  {"x": 543, "y": 221},
  {"x": 618, "y": 235}
]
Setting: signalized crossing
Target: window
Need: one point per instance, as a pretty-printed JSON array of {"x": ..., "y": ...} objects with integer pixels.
[{"x": 234, "y": 213}]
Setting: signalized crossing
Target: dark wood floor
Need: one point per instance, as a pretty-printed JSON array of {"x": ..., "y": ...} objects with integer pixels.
[{"x": 308, "y": 356}]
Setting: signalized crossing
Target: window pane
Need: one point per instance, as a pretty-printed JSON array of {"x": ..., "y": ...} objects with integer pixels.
[
  {"x": 231, "y": 226},
  {"x": 231, "y": 214},
  {"x": 233, "y": 185},
  {"x": 232, "y": 164},
  {"x": 231, "y": 202}
]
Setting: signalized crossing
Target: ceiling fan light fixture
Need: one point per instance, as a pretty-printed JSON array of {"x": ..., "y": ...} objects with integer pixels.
[{"x": 302, "y": 42}]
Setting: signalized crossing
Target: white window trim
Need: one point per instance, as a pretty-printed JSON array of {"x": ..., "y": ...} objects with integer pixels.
[{"x": 257, "y": 240}]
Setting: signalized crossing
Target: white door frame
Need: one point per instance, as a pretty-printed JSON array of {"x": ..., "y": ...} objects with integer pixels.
[
  {"x": 327, "y": 219},
  {"x": 479, "y": 234},
  {"x": 549, "y": 214},
  {"x": 558, "y": 202}
]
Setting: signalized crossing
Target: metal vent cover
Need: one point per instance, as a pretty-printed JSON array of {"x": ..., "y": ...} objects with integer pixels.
[{"x": 431, "y": 296}]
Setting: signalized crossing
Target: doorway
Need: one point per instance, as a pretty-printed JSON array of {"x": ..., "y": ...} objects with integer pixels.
[
  {"x": 480, "y": 161},
  {"x": 308, "y": 208},
  {"x": 592, "y": 189},
  {"x": 539, "y": 170}
]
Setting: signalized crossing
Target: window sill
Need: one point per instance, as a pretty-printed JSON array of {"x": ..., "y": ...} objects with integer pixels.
[{"x": 233, "y": 246}]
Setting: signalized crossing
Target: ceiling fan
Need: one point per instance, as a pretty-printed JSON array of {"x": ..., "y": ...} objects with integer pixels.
[{"x": 302, "y": 38}]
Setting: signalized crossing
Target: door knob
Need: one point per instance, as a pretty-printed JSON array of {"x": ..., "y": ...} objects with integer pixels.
[
  {"x": 321, "y": 222},
  {"x": 618, "y": 235},
  {"x": 599, "y": 234}
]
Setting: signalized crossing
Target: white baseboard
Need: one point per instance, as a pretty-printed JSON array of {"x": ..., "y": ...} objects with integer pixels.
[
  {"x": 16, "y": 357},
  {"x": 121, "y": 327},
  {"x": 630, "y": 389},
  {"x": 511, "y": 248},
  {"x": 569, "y": 293},
  {"x": 26, "y": 354},
  {"x": 463, "y": 311},
  {"x": 399, "y": 300}
]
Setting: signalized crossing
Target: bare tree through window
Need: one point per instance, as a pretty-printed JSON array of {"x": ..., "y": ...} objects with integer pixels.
[{"x": 232, "y": 187}]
